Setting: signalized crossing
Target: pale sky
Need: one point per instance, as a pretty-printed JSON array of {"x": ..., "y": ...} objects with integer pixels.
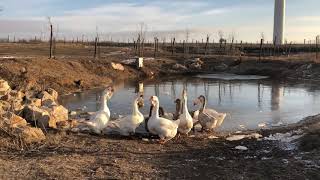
[{"x": 164, "y": 18}]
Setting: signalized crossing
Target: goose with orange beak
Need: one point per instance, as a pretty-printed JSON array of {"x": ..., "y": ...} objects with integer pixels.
[{"x": 166, "y": 129}]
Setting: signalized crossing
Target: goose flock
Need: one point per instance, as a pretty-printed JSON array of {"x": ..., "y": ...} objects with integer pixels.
[{"x": 160, "y": 123}]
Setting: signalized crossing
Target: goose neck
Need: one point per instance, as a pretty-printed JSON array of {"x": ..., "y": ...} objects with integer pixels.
[
  {"x": 203, "y": 105},
  {"x": 185, "y": 105},
  {"x": 135, "y": 109},
  {"x": 155, "y": 111},
  {"x": 104, "y": 105}
]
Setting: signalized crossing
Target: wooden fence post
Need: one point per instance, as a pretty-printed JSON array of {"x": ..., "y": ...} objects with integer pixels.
[
  {"x": 172, "y": 45},
  {"x": 260, "y": 54},
  {"x": 241, "y": 48},
  {"x": 51, "y": 38},
  {"x": 289, "y": 49},
  {"x": 206, "y": 46},
  {"x": 155, "y": 47},
  {"x": 317, "y": 47},
  {"x": 95, "y": 47}
]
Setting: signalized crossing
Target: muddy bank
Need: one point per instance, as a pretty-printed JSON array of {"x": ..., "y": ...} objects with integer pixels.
[
  {"x": 69, "y": 75},
  {"x": 66, "y": 155}
]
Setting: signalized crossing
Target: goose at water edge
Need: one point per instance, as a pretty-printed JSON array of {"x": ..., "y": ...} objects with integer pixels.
[
  {"x": 208, "y": 118},
  {"x": 127, "y": 125},
  {"x": 166, "y": 129},
  {"x": 100, "y": 119},
  {"x": 186, "y": 121}
]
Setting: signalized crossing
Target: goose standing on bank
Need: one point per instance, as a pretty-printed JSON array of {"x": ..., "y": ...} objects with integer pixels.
[
  {"x": 127, "y": 125},
  {"x": 166, "y": 129},
  {"x": 186, "y": 121},
  {"x": 162, "y": 113},
  {"x": 208, "y": 118},
  {"x": 100, "y": 119}
]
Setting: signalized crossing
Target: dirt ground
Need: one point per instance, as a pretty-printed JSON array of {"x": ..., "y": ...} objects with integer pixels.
[
  {"x": 82, "y": 156},
  {"x": 67, "y": 155}
]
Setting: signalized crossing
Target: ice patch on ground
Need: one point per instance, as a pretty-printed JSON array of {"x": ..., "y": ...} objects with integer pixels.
[
  {"x": 242, "y": 136},
  {"x": 241, "y": 148},
  {"x": 287, "y": 140}
]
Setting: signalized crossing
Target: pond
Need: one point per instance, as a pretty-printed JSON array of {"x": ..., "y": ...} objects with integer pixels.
[{"x": 251, "y": 102}]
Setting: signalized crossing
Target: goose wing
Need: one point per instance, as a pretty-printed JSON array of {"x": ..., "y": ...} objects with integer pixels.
[
  {"x": 165, "y": 128},
  {"x": 218, "y": 116},
  {"x": 207, "y": 120}
]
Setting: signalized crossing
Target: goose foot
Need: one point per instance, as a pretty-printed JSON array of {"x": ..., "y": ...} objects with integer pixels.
[
  {"x": 179, "y": 135},
  {"x": 162, "y": 141}
]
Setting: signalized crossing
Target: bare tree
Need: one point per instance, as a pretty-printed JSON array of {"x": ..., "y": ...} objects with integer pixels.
[
  {"x": 186, "y": 48},
  {"x": 262, "y": 36},
  {"x": 142, "y": 31},
  {"x": 221, "y": 38},
  {"x": 232, "y": 37},
  {"x": 96, "y": 45}
]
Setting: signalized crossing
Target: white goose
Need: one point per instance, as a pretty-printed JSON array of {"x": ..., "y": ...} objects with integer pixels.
[
  {"x": 100, "y": 119},
  {"x": 208, "y": 118},
  {"x": 127, "y": 125},
  {"x": 164, "y": 128},
  {"x": 186, "y": 121}
]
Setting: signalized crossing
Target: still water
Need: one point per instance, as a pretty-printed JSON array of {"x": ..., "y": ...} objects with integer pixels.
[{"x": 251, "y": 101}]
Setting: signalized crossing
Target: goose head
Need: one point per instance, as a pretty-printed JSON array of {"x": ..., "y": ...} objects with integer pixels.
[
  {"x": 108, "y": 93},
  {"x": 177, "y": 102},
  {"x": 201, "y": 100},
  {"x": 140, "y": 101},
  {"x": 178, "y": 107},
  {"x": 154, "y": 101}
]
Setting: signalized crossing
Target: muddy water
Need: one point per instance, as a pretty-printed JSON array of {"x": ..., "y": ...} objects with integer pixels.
[{"x": 251, "y": 101}]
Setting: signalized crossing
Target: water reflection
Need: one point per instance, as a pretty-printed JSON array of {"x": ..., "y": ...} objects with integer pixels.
[
  {"x": 249, "y": 102},
  {"x": 276, "y": 96}
]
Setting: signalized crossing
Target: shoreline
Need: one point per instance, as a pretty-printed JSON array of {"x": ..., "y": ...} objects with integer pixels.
[{"x": 66, "y": 155}]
